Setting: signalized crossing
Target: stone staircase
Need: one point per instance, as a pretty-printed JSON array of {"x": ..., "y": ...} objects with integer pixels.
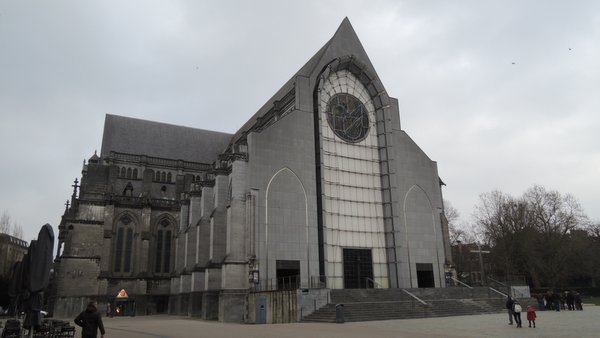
[{"x": 384, "y": 304}]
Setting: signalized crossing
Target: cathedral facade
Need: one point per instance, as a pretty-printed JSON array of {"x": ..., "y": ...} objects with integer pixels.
[{"x": 320, "y": 189}]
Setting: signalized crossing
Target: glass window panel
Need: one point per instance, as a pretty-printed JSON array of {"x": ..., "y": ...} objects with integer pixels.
[
  {"x": 379, "y": 210},
  {"x": 361, "y": 224},
  {"x": 159, "y": 251},
  {"x": 119, "y": 250},
  {"x": 167, "y": 254},
  {"x": 338, "y": 268},
  {"x": 128, "y": 247}
]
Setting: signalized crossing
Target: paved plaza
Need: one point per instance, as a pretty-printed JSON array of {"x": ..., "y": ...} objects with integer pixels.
[{"x": 549, "y": 324}]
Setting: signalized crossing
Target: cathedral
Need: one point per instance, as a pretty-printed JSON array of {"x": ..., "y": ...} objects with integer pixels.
[{"x": 320, "y": 189}]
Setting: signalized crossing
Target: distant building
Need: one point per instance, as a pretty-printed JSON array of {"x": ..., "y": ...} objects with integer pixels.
[
  {"x": 12, "y": 250},
  {"x": 320, "y": 188},
  {"x": 468, "y": 262}
]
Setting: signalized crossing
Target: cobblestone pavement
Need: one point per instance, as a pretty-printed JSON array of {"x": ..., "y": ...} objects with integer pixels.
[{"x": 549, "y": 324}]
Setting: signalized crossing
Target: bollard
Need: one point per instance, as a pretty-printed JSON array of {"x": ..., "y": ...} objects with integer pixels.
[{"x": 339, "y": 313}]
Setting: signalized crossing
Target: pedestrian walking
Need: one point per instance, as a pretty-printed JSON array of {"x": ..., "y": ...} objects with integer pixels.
[
  {"x": 556, "y": 301},
  {"x": 90, "y": 322},
  {"x": 531, "y": 315},
  {"x": 577, "y": 299},
  {"x": 570, "y": 301},
  {"x": 509, "y": 309},
  {"x": 517, "y": 312}
]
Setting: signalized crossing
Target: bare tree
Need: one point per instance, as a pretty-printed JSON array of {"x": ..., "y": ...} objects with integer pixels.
[
  {"x": 9, "y": 226},
  {"x": 459, "y": 231},
  {"x": 553, "y": 213},
  {"x": 594, "y": 229},
  {"x": 499, "y": 215},
  {"x": 17, "y": 230},
  {"x": 452, "y": 216},
  {"x": 5, "y": 223},
  {"x": 530, "y": 234}
]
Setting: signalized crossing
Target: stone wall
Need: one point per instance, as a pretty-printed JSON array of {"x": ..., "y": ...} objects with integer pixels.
[
  {"x": 78, "y": 277},
  {"x": 287, "y": 149},
  {"x": 69, "y": 307},
  {"x": 281, "y": 306}
]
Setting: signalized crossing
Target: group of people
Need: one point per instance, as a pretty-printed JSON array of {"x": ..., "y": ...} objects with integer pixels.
[
  {"x": 556, "y": 301},
  {"x": 514, "y": 311},
  {"x": 568, "y": 300}
]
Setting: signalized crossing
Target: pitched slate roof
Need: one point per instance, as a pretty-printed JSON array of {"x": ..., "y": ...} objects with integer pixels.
[
  {"x": 135, "y": 136},
  {"x": 142, "y": 137}
]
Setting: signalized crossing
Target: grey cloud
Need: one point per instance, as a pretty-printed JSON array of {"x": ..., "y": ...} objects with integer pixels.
[{"x": 488, "y": 123}]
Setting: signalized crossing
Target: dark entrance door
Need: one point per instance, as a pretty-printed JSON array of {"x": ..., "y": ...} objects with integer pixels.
[
  {"x": 288, "y": 275},
  {"x": 358, "y": 268},
  {"x": 124, "y": 307},
  {"x": 161, "y": 304},
  {"x": 425, "y": 275},
  {"x": 261, "y": 310}
]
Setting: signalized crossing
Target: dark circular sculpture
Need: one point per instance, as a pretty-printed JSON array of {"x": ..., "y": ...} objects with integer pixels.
[{"x": 348, "y": 117}]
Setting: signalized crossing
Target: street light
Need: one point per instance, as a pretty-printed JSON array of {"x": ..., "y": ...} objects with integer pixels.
[{"x": 479, "y": 251}]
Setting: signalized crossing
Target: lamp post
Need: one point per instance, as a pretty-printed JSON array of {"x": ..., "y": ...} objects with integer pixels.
[
  {"x": 479, "y": 251},
  {"x": 458, "y": 260}
]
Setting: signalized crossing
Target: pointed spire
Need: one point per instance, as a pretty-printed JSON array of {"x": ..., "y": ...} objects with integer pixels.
[
  {"x": 75, "y": 186},
  {"x": 344, "y": 42},
  {"x": 344, "y": 26},
  {"x": 94, "y": 159}
]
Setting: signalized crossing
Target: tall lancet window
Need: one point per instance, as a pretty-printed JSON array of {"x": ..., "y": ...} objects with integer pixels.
[
  {"x": 124, "y": 246},
  {"x": 164, "y": 233}
]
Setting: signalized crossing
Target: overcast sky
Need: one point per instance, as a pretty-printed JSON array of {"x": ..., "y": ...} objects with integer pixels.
[{"x": 502, "y": 94}]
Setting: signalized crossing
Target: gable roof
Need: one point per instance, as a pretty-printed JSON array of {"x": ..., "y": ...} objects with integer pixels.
[
  {"x": 344, "y": 42},
  {"x": 142, "y": 137}
]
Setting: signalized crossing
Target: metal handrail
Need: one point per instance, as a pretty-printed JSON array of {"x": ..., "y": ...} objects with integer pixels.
[
  {"x": 375, "y": 284},
  {"x": 277, "y": 284},
  {"x": 413, "y": 296},
  {"x": 496, "y": 281},
  {"x": 456, "y": 280},
  {"x": 500, "y": 292}
]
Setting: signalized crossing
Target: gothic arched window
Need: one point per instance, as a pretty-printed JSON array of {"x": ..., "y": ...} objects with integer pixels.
[
  {"x": 169, "y": 177},
  {"x": 128, "y": 172},
  {"x": 135, "y": 173},
  {"x": 164, "y": 232},
  {"x": 163, "y": 176},
  {"x": 123, "y": 172},
  {"x": 123, "y": 246}
]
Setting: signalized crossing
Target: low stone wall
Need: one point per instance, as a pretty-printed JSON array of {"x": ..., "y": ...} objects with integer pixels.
[
  {"x": 70, "y": 307},
  {"x": 204, "y": 305},
  {"x": 281, "y": 306},
  {"x": 232, "y": 306}
]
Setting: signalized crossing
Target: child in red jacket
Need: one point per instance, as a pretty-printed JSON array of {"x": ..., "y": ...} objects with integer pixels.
[{"x": 531, "y": 315}]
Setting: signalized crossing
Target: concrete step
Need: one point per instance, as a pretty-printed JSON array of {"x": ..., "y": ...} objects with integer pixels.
[{"x": 384, "y": 304}]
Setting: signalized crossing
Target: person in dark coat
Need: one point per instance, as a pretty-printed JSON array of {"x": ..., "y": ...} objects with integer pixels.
[
  {"x": 577, "y": 300},
  {"x": 516, "y": 309},
  {"x": 90, "y": 322},
  {"x": 556, "y": 301},
  {"x": 570, "y": 301},
  {"x": 509, "y": 308},
  {"x": 548, "y": 299}
]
